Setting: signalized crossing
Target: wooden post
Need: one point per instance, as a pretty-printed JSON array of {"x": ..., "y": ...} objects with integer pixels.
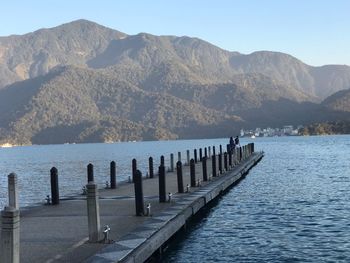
[
  {"x": 150, "y": 167},
  {"x": 90, "y": 173},
  {"x": 13, "y": 190},
  {"x": 200, "y": 154},
  {"x": 139, "y": 203},
  {"x": 209, "y": 151},
  {"x": 204, "y": 169},
  {"x": 10, "y": 231},
  {"x": 188, "y": 157},
  {"x": 55, "y": 196},
  {"x": 113, "y": 175},
  {"x": 93, "y": 211},
  {"x": 225, "y": 161},
  {"x": 195, "y": 155},
  {"x": 162, "y": 184},
  {"x": 220, "y": 163},
  {"x": 180, "y": 184},
  {"x": 205, "y": 153},
  {"x": 220, "y": 149},
  {"x": 193, "y": 173}
]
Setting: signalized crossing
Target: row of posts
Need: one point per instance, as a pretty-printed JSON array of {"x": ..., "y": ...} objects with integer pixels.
[{"x": 10, "y": 216}]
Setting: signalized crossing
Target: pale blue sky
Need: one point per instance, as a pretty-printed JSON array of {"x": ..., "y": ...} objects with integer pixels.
[{"x": 315, "y": 31}]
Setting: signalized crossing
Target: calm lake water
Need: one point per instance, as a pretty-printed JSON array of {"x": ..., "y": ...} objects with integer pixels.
[{"x": 294, "y": 206}]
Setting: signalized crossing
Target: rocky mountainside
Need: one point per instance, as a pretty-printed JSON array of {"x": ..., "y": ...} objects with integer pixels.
[{"x": 82, "y": 82}]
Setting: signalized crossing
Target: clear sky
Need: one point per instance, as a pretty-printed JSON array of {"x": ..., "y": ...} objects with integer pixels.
[{"x": 315, "y": 31}]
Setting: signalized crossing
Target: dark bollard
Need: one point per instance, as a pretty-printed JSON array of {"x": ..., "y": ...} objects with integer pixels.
[
  {"x": 204, "y": 168},
  {"x": 55, "y": 196},
  {"x": 200, "y": 154},
  {"x": 195, "y": 155},
  {"x": 225, "y": 161},
  {"x": 213, "y": 159},
  {"x": 113, "y": 175},
  {"x": 90, "y": 172},
  {"x": 150, "y": 167},
  {"x": 134, "y": 168},
  {"x": 193, "y": 173},
  {"x": 162, "y": 184},
  {"x": 220, "y": 149},
  {"x": 139, "y": 203},
  {"x": 171, "y": 162},
  {"x": 205, "y": 153},
  {"x": 230, "y": 158},
  {"x": 162, "y": 162},
  {"x": 214, "y": 153},
  {"x": 180, "y": 183},
  {"x": 220, "y": 163}
]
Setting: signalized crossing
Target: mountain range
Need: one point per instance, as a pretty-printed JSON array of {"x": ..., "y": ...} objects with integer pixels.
[{"x": 83, "y": 82}]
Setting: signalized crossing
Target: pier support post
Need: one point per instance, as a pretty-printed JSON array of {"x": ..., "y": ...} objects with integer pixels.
[
  {"x": 113, "y": 175},
  {"x": 200, "y": 154},
  {"x": 139, "y": 203},
  {"x": 220, "y": 163},
  {"x": 93, "y": 211},
  {"x": 195, "y": 155},
  {"x": 225, "y": 161},
  {"x": 150, "y": 167},
  {"x": 180, "y": 183},
  {"x": 172, "y": 162},
  {"x": 10, "y": 241},
  {"x": 188, "y": 157},
  {"x": 209, "y": 151},
  {"x": 162, "y": 184},
  {"x": 240, "y": 153},
  {"x": 193, "y": 173},
  {"x": 213, "y": 160},
  {"x": 252, "y": 147},
  {"x": 220, "y": 149},
  {"x": 13, "y": 190},
  {"x": 204, "y": 169},
  {"x": 55, "y": 196},
  {"x": 205, "y": 153},
  {"x": 90, "y": 173}
]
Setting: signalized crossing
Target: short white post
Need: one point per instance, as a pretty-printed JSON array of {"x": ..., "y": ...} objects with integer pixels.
[
  {"x": 13, "y": 190},
  {"x": 93, "y": 211},
  {"x": 9, "y": 247}
]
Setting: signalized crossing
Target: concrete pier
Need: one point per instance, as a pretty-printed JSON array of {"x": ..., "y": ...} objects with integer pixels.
[{"x": 61, "y": 233}]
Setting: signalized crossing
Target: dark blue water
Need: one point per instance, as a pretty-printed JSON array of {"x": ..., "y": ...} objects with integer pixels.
[{"x": 294, "y": 206}]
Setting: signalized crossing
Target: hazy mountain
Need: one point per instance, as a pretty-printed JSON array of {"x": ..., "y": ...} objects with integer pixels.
[
  {"x": 339, "y": 101},
  {"x": 83, "y": 82}
]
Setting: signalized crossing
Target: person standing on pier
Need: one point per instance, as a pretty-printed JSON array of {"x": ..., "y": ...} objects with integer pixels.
[{"x": 237, "y": 141}]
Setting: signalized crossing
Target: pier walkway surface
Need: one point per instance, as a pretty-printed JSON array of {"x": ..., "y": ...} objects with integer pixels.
[{"x": 59, "y": 233}]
